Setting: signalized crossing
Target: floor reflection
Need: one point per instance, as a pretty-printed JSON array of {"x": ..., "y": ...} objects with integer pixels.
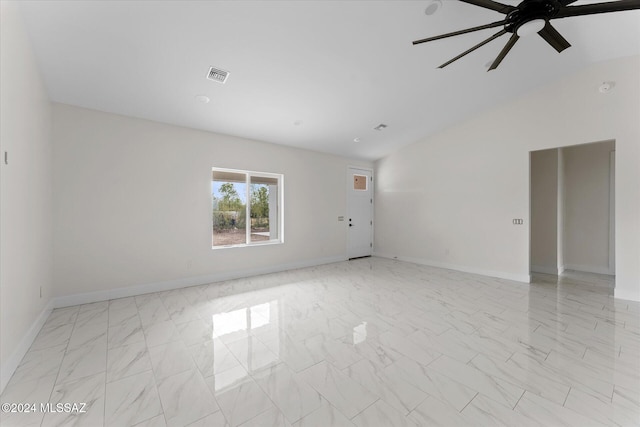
[
  {"x": 360, "y": 333},
  {"x": 239, "y": 328}
]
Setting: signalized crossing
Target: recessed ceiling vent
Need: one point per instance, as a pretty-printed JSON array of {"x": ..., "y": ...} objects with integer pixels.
[{"x": 217, "y": 75}]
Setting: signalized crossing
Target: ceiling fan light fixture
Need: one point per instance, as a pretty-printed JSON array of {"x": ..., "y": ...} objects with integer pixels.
[
  {"x": 528, "y": 17},
  {"x": 531, "y": 27}
]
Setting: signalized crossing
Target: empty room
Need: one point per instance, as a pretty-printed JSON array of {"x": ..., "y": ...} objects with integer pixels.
[{"x": 320, "y": 213}]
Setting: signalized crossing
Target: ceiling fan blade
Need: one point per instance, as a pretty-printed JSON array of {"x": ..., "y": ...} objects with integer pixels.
[
  {"x": 457, "y": 33},
  {"x": 589, "y": 9},
  {"x": 493, "y": 37},
  {"x": 490, "y": 4},
  {"x": 554, "y": 38},
  {"x": 514, "y": 38}
]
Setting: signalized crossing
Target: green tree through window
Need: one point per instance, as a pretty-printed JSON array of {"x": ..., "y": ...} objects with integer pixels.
[
  {"x": 260, "y": 204},
  {"x": 230, "y": 200}
]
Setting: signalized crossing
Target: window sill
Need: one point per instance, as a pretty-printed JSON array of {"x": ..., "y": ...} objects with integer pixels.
[{"x": 248, "y": 245}]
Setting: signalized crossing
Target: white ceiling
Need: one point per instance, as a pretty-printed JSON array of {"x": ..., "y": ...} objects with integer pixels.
[{"x": 308, "y": 74}]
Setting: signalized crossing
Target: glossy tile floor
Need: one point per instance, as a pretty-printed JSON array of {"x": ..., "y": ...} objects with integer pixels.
[{"x": 371, "y": 342}]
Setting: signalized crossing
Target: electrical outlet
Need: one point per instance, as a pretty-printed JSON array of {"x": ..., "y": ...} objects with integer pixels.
[{"x": 340, "y": 218}]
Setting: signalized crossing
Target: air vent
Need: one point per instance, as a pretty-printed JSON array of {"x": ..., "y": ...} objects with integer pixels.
[{"x": 217, "y": 75}]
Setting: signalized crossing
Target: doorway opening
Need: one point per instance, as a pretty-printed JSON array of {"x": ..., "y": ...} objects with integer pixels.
[{"x": 572, "y": 202}]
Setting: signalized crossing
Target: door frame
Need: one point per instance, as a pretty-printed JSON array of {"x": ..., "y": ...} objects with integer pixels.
[
  {"x": 612, "y": 213},
  {"x": 611, "y": 268},
  {"x": 348, "y": 202}
]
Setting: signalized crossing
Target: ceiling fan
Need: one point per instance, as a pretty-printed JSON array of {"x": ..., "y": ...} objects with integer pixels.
[{"x": 531, "y": 16}]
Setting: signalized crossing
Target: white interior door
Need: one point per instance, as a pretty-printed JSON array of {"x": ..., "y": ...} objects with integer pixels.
[{"x": 359, "y": 212}]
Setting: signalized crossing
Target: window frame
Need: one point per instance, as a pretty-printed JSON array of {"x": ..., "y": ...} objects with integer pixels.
[{"x": 280, "y": 202}]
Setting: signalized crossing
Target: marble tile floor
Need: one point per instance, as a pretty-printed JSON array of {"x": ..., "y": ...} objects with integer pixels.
[{"x": 369, "y": 342}]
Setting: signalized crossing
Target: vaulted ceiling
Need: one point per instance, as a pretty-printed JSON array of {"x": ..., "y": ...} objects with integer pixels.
[{"x": 310, "y": 74}]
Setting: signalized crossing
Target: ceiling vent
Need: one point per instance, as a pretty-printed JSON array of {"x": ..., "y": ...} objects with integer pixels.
[{"x": 217, "y": 75}]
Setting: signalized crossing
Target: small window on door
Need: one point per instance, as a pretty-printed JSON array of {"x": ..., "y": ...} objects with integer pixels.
[{"x": 360, "y": 182}]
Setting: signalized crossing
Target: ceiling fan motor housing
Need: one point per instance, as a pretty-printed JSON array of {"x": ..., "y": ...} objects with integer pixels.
[{"x": 529, "y": 10}]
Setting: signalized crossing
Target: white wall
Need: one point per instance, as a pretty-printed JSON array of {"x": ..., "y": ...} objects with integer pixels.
[
  {"x": 544, "y": 211},
  {"x": 586, "y": 207},
  {"x": 25, "y": 194},
  {"x": 450, "y": 199},
  {"x": 133, "y": 207}
]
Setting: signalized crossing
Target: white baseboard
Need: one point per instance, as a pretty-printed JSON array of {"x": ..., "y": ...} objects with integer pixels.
[
  {"x": 626, "y": 295},
  {"x": 588, "y": 268},
  {"x": 525, "y": 278},
  {"x": 89, "y": 297},
  {"x": 544, "y": 269},
  {"x": 10, "y": 365}
]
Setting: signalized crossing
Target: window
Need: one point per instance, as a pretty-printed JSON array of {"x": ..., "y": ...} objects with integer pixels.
[
  {"x": 360, "y": 182},
  {"x": 246, "y": 208}
]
